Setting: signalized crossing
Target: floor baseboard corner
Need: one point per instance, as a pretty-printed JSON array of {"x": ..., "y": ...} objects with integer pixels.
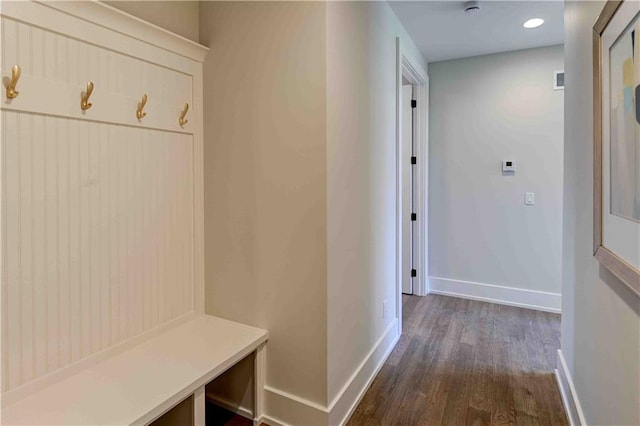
[
  {"x": 347, "y": 400},
  {"x": 567, "y": 391},
  {"x": 512, "y": 296},
  {"x": 284, "y": 409}
]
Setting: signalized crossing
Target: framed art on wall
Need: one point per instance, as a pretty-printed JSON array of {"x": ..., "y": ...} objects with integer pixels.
[{"x": 616, "y": 92}]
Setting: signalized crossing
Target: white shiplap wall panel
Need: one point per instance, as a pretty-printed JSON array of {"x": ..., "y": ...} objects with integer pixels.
[{"x": 99, "y": 224}]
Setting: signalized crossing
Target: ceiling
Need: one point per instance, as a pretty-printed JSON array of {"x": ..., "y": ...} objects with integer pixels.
[{"x": 442, "y": 30}]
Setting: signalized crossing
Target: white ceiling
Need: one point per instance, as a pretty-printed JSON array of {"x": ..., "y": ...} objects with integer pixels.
[{"x": 442, "y": 30}]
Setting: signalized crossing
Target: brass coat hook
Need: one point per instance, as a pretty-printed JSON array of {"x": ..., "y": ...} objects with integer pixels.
[
  {"x": 11, "y": 87},
  {"x": 84, "y": 103},
  {"x": 140, "y": 113},
  {"x": 182, "y": 120}
]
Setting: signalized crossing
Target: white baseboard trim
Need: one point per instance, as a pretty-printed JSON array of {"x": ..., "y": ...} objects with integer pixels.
[
  {"x": 284, "y": 409},
  {"x": 271, "y": 421},
  {"x": 230, "y": 406},
  {"x": 345, "y": 403},
  {"x": 531, "y": 299},
  {"x": 568, "y": 393}
]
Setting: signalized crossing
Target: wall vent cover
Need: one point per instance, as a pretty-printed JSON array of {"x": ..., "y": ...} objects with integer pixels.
[{"x": 558, "y": 80}]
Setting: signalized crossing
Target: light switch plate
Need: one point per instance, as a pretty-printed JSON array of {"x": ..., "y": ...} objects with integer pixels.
[
  {"x": 529, "y": 198},
  {"x": 508, "y": 166}
]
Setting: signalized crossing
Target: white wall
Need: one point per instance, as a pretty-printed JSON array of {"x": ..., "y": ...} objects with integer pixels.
[
  {"x": 484, "y": 110},
  {"x": 180, "y": 17},
  {"x": 300, "y": 164},
  {"x": 265, "y": 185},
  {"x": 361, "y": 180},
  {"x": 600, "y": 315}
]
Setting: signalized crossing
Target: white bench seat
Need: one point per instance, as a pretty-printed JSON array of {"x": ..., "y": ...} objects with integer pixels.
[{"x": 140, "y": 384}]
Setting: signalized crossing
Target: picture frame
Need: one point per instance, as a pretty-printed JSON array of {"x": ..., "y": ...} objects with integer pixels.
[{"x": 616, "y": 130}]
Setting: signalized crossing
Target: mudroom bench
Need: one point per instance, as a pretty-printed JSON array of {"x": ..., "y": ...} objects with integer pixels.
[{"x": 140, "y": 384}]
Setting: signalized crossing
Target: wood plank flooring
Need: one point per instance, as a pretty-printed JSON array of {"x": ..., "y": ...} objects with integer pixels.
[{"x": 464, "y": 362}]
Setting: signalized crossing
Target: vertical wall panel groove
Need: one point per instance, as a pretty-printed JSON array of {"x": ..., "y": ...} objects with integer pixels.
[
  {"x": 105, "y": 296},
  {"x": 3, "y": 235},
  {"x": 38, "y": 206},
  {"x": 53, "y": 290},
  {"x": 14, "y": 275},
  {"x": 26, "y": 245},
  {"x": 64, "y": 254},
  {"x": 3, "y": 232},
  {"x": 114, "y": 237},
  {"x": 74, "y": 241}
]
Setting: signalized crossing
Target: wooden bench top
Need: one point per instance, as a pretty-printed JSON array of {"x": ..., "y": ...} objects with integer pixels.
[{"x": 138, "y": 385}]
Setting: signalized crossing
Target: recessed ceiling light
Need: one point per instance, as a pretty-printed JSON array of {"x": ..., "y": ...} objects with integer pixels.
[{"x": 533, "y": 23}]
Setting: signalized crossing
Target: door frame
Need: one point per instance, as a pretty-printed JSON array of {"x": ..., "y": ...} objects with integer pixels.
[{"x": 410, "y": 68}]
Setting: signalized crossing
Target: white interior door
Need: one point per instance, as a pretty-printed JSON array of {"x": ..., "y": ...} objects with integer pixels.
[{"x": 407, "y": 190}]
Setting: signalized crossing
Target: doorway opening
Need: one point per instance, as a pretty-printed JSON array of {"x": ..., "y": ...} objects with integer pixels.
[
  {"x": 409, "y": 197},
  {"x": 412, "y": 178}
]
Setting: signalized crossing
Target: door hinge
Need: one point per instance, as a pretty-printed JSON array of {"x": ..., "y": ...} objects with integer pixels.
[
  {"x": 413, "y": 273},
  {"x": 413, "y": 160},
  {"x": 413, "y": 217},
  {"x": 414, "y": 103}
]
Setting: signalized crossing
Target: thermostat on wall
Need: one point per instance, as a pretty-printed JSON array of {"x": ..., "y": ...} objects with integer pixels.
[{"x": 508, "y": 166}]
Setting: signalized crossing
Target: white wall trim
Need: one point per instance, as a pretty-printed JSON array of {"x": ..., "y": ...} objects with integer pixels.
[
  {"x": 568, "y": 392},
  {"x": 345, "y": 403},
  {"x": 531, "y": 299},
  {"x": 96, "y": 23},
  {"x": 109, "y": 17},
  {"x": 283, "y": 408}
]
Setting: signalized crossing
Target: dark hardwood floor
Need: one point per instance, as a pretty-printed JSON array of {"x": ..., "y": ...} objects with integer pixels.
[{"x": 464, "y": 362}]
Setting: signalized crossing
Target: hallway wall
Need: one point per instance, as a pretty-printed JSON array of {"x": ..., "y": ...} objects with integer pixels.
[
  {"x": 265, "y": 183},
  {"x": 361, "y": 185},
  {"x": 486, "y": 109},
  {"x": 300, "y": 191},
  {"x": 600, "y": 314}
]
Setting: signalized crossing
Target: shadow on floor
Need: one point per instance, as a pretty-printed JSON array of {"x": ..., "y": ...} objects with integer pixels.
[{"x": 217, "y": 416}]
